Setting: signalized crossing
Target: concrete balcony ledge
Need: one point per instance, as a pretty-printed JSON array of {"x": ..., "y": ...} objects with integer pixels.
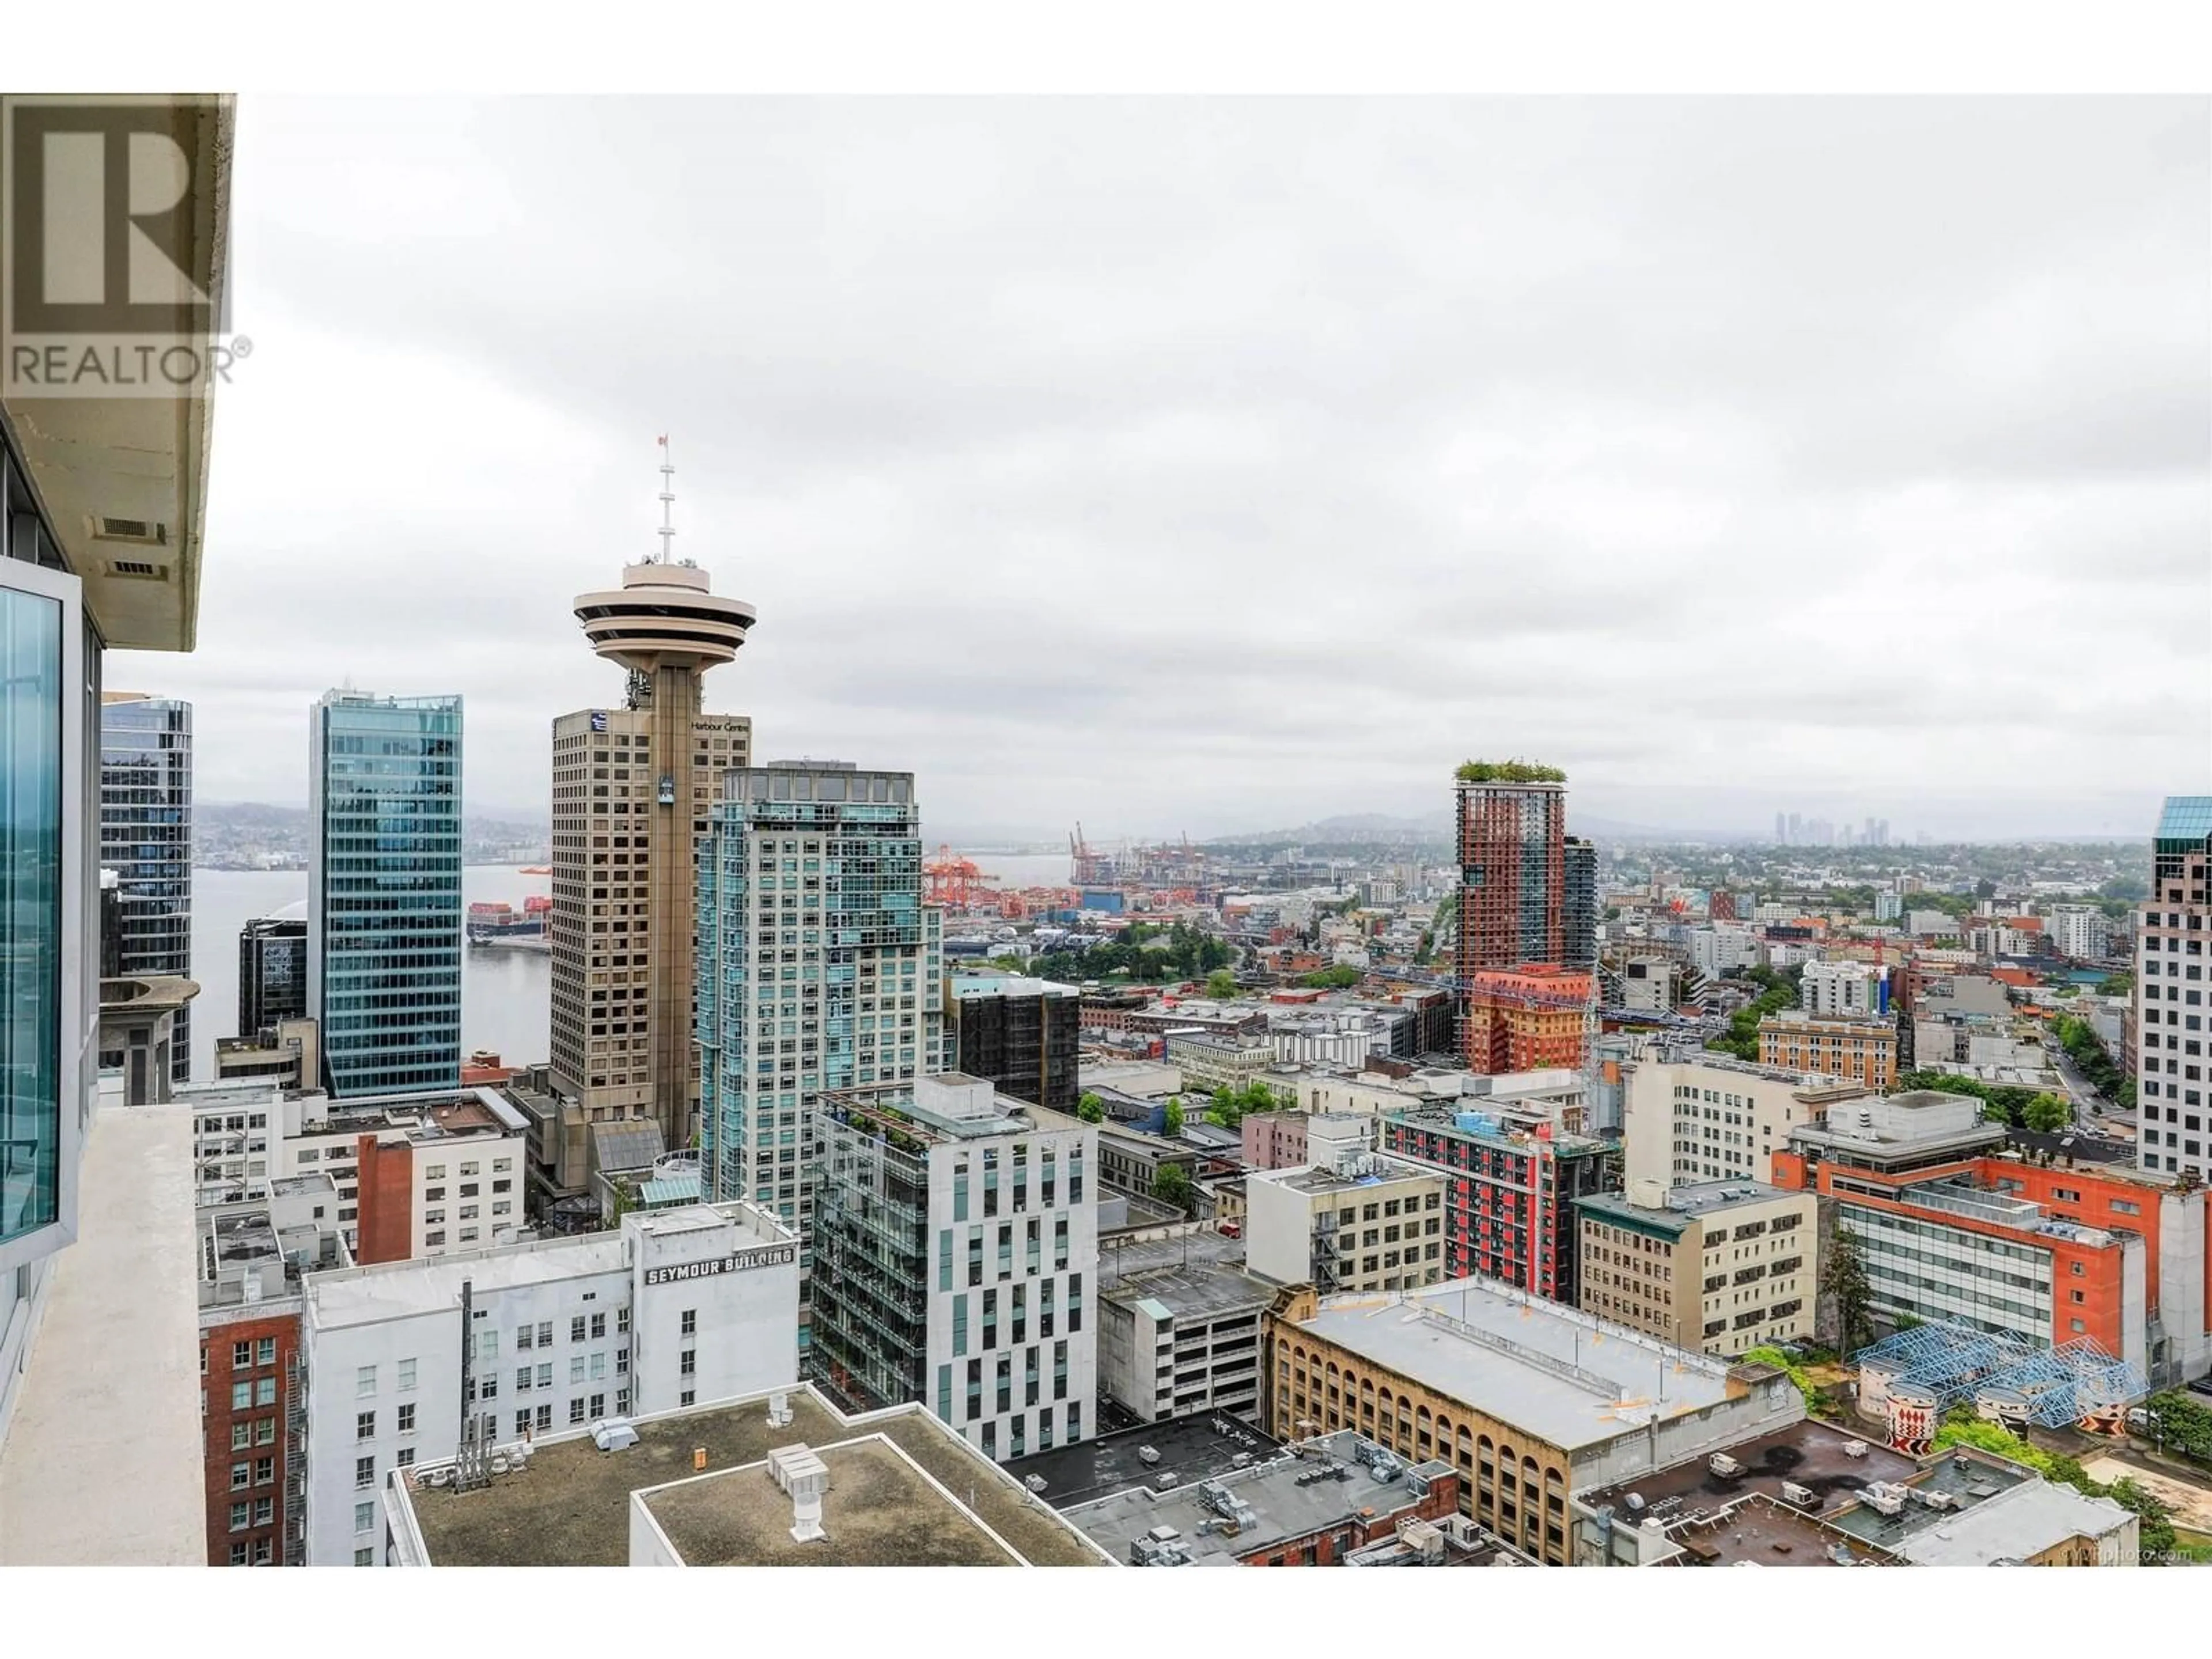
[{"x": 101, "y": 1466}]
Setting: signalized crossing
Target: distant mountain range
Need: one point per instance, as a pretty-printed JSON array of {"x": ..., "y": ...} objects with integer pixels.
[
  {"x": 1433, "y": 827},
  {"x": 253, "y": 835}
]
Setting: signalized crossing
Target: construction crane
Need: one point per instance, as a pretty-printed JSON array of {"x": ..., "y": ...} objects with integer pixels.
[
  {"x": 956, "y": 882},
  {"x": 1087, "y": 868}
]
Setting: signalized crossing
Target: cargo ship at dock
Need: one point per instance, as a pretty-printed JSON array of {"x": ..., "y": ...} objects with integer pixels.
[{"x": 501, "y": 926}]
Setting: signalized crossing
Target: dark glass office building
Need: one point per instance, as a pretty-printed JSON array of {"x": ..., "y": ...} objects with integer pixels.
[
  {"x": 272, "y": 973},
  {"x": 146, "y": 838},
  {"x": 1020, "y": 1034}
]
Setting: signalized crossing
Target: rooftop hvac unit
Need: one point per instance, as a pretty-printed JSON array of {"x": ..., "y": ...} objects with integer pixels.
[
  {"x": 1035, "y": 1482},
  {"x": 1794, "y": 1493},
  {"x": 1724, "y": 1465},
  {"x": 1886, "y": 1496},
  {"x": 1636, "y": 1503},
  {"x": 1940, "y": 1500},
  {"x": 1855, "y": 1449},
  {"x": 1165, "y": 1479},
  {"x": 442, "y": 1476},
  {"x": 1148, "y": 1456},
  {"x": 1164, "y": 1535},
  {"x": 613, "y": 1434}
]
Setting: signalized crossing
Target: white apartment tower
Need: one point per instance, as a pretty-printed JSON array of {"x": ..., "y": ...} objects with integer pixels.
[
  {"x": 2173, "y": 981},
  {"x": 956, "y": 1256},
  {"x": 631, "y": 787},
  {"x": 1841, "y": 990},
  {"x": 1686, "y": 1122}
]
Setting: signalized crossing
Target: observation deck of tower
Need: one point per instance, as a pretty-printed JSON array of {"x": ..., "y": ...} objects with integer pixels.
[{"x": 663, "y": 616}]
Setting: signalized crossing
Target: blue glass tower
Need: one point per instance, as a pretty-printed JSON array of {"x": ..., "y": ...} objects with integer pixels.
[
  {"x": 384, "y": 903},
  {"x": 146, "y": 838}
]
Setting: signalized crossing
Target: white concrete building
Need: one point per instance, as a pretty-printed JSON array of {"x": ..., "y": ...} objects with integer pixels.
[
  {"x": 1686, "y": 1122},
  {"x": 1648, "y": 984},
  {"x": 956, "y": 1246},
  {"x": 1720, "y": 950},
  {"x": 1334, "y": 1038},
  {"x": 1176, "y": 1340},
  {"x": 1840, "y": 989},
  {"x": 459, "y": 1159},
  {"x": 678, "y": 1308},
  {"x": 2081, "y": 932},
  {"x": 1365, "y": 1223}
]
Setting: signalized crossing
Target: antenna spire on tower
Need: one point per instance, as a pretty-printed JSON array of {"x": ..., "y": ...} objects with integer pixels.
[{"x": 667, "y": 498}]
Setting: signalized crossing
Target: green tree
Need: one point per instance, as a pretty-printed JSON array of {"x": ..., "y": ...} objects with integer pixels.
[
  {"x": 1221, "y": 984},
  {"x": 1089, "y": 1107},
  {"x": 1844, "y": 1278},
  {"x": 2155, "y": 1532},
  {"x": 1766, "y": 1354},
  {"x": 1171, "y": 1185},
  {"x": 2047, "y": 1114},
  {"x": 1342, "y": 977},
  {"x": 1174, "y": 1115}
]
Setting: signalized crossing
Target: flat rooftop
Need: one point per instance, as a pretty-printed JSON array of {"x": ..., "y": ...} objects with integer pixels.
[
  {"x": 1969, "y": 1481},
  {"x": 1194, "y": 1248},
  {"x": 1809, "y": 1453},
  {"x": 881, "y": 1511},
  {"x": 1298, "y": 1493},
  {"x": 938, "y": 1111},
  {"x": 2023, "y": 1521},
  {"x": 570, "y": 1507},
  {"x": 1763, "y": 1532},
  {"x": 388, "y": 1289},
  {"x": 1203, "y": 1292},
  {"x": 1315, "y": 1179},
  {"x": 1685, "y": 1204},
  {"x": 1010, "y": 985},
  {"x": 1547, "y": 1370},
  {"x": 1503, "y": 1117},
  {"x": 1192, "y": 1448}
]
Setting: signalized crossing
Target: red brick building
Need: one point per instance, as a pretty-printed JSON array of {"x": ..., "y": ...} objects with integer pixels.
[
  {"x": 1949, "y": 1230},
  {"x": 1527, "y": 1018},
  {"x": 249, "y": 1365},
  {"x": 1509, "y": 1193},
  {"x": 252, "y": 1417}
]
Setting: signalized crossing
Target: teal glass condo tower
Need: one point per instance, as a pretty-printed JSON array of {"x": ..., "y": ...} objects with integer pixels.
[
  {"x": 819, "y": 967},
  {"x": 384, "y": 903}
]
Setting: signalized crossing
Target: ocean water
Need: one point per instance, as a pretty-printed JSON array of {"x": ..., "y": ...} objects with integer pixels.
[{"x": 506, "y": 995}]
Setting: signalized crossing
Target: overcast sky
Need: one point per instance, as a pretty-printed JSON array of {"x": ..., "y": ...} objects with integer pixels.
[{"x": 1212, "y": 466}]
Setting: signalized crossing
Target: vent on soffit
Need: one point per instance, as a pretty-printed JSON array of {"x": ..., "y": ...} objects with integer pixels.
[
  {"x": 141, "y": 531},
  {"x": 138, "y": 567}
]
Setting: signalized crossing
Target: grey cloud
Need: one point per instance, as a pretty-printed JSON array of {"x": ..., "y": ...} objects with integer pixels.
[{"x": 1188, "y": 464}]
